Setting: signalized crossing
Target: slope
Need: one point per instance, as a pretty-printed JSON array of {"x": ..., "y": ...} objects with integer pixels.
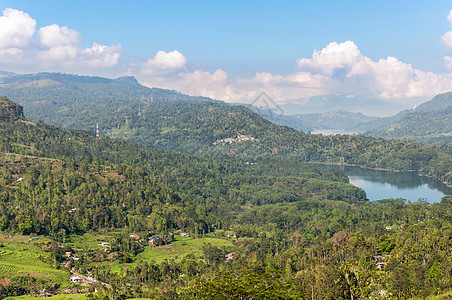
[
  {"x": 218, "y": 129},
  {"x": 430, "y": 122},
  {"x": 89, "y": 183},
  {"x": 339, "y": 120},
  {"x": 56, "y": 98},
  {"x": 289, "y": 233}
]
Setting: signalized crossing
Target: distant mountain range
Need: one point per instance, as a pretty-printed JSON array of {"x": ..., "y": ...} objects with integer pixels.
[
  {"x": 78, "y": 102},
  {"x": 430, "y": 122},
  {"x": 339, "y": 120}
]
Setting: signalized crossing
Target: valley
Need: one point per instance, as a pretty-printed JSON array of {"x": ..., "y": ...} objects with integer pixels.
[
  {"x": 188, "y": 195},
  {"x": 211, "y": 150}
]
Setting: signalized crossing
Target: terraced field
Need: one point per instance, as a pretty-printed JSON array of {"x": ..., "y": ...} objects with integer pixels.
[{"x": 20, "y": 257}]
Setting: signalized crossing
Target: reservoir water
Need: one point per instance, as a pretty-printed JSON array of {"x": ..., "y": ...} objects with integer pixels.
[{"x": 386, "y": 184}]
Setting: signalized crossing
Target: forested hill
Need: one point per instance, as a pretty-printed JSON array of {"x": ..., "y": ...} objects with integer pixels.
[
  {"x": 70, "y": 164},
  {"x": 205, "y": 127},
  {"x": 10, "y": 111},
  {"x": 56, "y": 98},
  {"x": 339, "y": 120},
  {"x": 269, "y": 229},
  {"x": 438, "y": 102},
  {"x": 217, "y": 129},
  {"x": 430, "y": 122}
]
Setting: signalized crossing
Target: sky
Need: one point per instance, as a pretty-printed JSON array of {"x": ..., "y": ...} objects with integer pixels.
[{"x": 374, "y": 57}]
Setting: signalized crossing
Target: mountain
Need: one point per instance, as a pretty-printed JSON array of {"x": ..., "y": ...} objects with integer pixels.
[
  {"x": 208, "y": 127},
  {"x": 440, "y": 101},
  {"x": 339, "y": 120},
  {"x": 382, "y": 122},
  {"x": 54, "y": 97},
  {"x": 430, "y": 122},
  {"x": 10, "y": 111}
]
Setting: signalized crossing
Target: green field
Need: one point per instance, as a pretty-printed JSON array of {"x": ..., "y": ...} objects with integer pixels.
[
  {"x": 176, "y": 250},
  {"x": 89, "y": 241},
  {"x": 21, "y": 256},
  {"x": 181, "y": 247}
]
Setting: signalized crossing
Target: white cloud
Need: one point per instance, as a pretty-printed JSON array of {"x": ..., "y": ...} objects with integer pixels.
[
  {"x": 99, "y": 56},
  {"x": 54, "y": 48},
  {"x": 332, "y": 57},
  {"x": 337, "y": 69},
  {"x": 447, "y": 39},
  {"x": 346, "y": 68},
  {"x": 16, "y": 29},
  {"x": 164, "y": 62},
  {"x": 448, "y": 62},
  {"x": 215, "y": 85},
  {"x": 54, "y": 36},
  {"x": 58, "y": 54},
  {"x": 449, "y": 18},
  {"x": 68, "y": 57}
]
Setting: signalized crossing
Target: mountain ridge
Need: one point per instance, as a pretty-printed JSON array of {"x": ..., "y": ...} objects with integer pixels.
[{"x": 195, "y": 126}]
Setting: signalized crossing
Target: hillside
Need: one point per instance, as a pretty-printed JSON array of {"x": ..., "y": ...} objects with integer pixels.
[
  {"x": 121, "y": 212},
  {"x": 424, "y": 126},
  {"x": 215, "y": 128},
  {"x": 438, "y": 102},
  {"x": 430, "y": 122},
  {"x": 427, "y": 123},
  {"x": 334, "y": 120},
  {"x": 10, "y": 111},
  {"x": 45, "y": 156},
  {"x": 56, "y": 98}
]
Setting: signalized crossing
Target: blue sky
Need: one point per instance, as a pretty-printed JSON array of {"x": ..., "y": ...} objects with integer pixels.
[{"x": 385, "y": 54}]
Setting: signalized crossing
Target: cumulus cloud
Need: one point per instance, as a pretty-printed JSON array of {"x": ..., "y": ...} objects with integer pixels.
[
  {"x": 50, "y": 48},
  {"x": 16, "y": 29},
  {"x": 334, "y": 56},
  {"x": 337, "y": 69},
  {"x": 447, "y": 37},
  {"x": 54, "y": 36},
  {"x": 164, "y": 63},
  {"x": 346, "y": 67},
  {"x": 448, "y": 62}
]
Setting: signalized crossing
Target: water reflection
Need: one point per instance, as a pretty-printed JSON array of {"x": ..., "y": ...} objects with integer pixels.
[{"x": 385, "y": 184}]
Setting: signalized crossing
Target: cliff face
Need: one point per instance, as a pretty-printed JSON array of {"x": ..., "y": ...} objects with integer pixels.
[{"x": 10, "y": 111}]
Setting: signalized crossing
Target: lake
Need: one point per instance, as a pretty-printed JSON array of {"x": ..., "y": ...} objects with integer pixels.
[
  {"x": 385, "y": 184},
  {"x": 333, "y": 131}
]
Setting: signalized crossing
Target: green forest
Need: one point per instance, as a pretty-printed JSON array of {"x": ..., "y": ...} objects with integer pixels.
[{"x": 248, "y": 219}]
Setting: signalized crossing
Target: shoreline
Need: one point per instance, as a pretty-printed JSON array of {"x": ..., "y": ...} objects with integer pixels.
[{"x": 380, "y": 169}]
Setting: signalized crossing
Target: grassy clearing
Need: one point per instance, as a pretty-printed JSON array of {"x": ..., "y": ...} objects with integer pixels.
[
  {"x": 89, "y": 241},
  {"x": 176, "y": 250},
  {"x": 21, "y": 256},
  {"x": 181, "y": 247}
]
